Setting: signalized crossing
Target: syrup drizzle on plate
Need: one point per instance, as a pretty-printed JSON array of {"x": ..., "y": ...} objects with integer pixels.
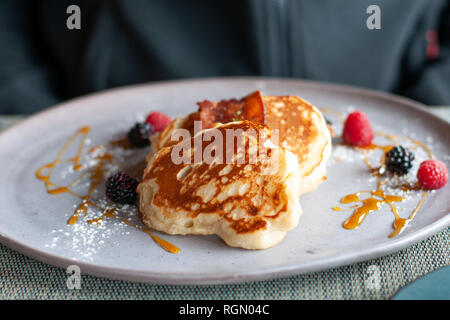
[
  {"x": 368, "y": 201},
  {"x": 96, "y": 175}
]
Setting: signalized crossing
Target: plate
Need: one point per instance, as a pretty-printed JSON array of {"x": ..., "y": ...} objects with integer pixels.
[{"x": 34, "y": 222}]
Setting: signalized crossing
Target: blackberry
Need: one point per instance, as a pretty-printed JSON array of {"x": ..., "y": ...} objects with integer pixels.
[
  {"x": 399, "y": 160},
  {"x": 139, "y": 135},
  {"x": 121, "y": 188}
]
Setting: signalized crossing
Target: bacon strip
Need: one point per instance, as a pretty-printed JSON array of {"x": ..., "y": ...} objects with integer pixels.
[{"x": 249, "y": 108}]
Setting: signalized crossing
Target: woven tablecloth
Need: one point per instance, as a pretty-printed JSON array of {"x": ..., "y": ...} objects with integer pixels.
[{"x": 24, "y": 278}]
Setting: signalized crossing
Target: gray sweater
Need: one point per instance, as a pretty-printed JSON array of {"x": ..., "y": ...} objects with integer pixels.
[{"x": 124, "y": 42}]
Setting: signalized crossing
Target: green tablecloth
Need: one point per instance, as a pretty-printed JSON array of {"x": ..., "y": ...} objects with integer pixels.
[{"x": 24, "y": 278}]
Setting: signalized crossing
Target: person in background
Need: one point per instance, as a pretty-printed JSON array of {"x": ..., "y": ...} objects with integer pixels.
[{"x": 120, "y": 42}]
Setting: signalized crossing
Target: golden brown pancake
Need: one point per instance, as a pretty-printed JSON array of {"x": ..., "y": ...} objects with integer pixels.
[
  {"x": 302, "y": 129},
  {"x": 304, "y": 132},
  {"x": 249, "y": 205}
]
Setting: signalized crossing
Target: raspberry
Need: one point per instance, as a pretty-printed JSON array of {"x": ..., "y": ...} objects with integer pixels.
[
  {"x": 399, "y": 160},
  {"x": 432, "y": 174},
  {"x": 158, "y": 120},
  {"x": 121, "y": 188},
  {"x": 139, "y": 135},
  {"x": 357, "y": 130}
]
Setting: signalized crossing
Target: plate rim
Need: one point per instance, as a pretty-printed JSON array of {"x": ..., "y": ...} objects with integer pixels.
[{"x": 245, "y": 276}]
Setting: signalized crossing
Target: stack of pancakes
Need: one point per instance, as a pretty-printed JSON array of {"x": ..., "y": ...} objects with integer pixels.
[{"x": 249, "y": 204}]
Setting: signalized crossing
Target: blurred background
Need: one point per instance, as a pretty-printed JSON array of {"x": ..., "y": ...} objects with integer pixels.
[{"x": 123, "y": 42}]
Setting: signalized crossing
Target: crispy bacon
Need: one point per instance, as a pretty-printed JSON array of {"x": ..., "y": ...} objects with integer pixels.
[{"x": 249, "y": 108}]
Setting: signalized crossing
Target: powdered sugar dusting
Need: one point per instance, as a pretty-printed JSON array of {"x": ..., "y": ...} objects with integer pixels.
[{"x": 93, "y": 231}]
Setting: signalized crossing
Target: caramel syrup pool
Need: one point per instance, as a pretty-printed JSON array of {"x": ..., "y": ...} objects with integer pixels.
[{"x": 96, "y": 175}]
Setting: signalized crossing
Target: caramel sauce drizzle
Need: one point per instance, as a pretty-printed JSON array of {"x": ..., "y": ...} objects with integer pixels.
[
  {"x": 375, "y": 199},
  {"x": 373, "y": 203},
  {"x": 394, "y": 138},
  {"x": 336, "y": 113},
  {"x": 96, "y": 176}
]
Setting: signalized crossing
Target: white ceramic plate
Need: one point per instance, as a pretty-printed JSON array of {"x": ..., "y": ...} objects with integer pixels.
[{"x": 34, "y": 222}]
